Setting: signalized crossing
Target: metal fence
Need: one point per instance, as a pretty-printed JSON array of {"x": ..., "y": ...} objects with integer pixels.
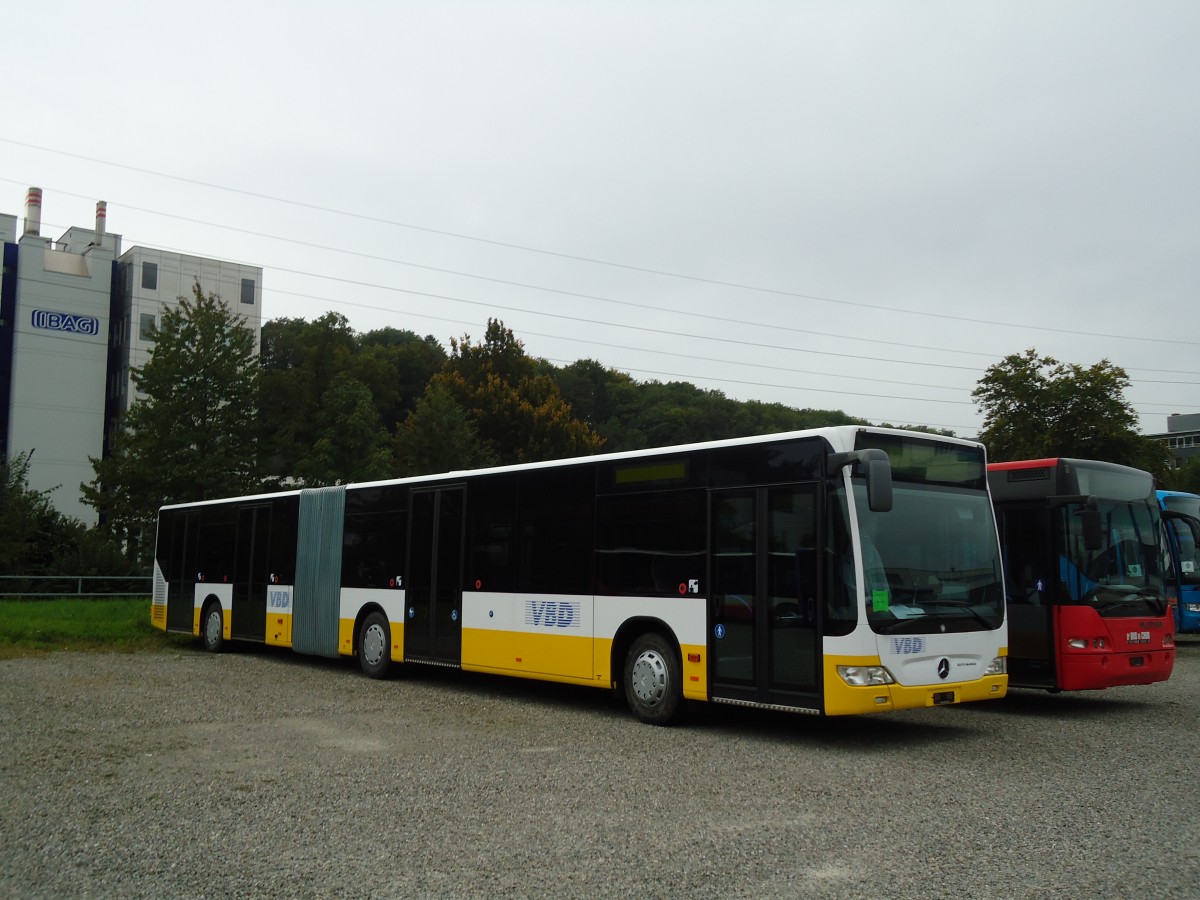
[{"x": 18, "y": 586}]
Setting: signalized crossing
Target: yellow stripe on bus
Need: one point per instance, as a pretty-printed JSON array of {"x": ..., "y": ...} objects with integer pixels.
[
  {"x": 566, "y": 658},
  {"x": 279, "y": 629},
  {"x": 554, "y": 656}
]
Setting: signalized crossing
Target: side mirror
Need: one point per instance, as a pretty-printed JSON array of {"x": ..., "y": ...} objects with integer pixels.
[
  {"x": 878, "y": 471},
  {"x": 879, "y": 485}
]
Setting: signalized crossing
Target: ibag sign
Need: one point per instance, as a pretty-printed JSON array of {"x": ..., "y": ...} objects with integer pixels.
[{"x": 56, "y": 321}]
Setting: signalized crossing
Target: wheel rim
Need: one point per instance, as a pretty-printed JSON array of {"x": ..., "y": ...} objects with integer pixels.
[
  {"x": 649, "y": 677},
  {"x": 212, "y": 627},
  {"x": 374, "y": 644}
]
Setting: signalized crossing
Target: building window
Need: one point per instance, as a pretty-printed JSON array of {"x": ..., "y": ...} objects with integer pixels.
[
  {"x": 247, "y": 290},
  {"x": 150, "y": 276},
  {"x": 146, "y": 328}
]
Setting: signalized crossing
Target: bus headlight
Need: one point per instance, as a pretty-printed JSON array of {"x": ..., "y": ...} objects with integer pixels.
[
  {"x": 998, "y": 666},
  {"x": 865, "y": 676}
]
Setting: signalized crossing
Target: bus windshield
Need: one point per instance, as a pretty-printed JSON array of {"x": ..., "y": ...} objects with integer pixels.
[
  {"x": 1122, "y": 576},
  {"x": 1189, "y": 504},
  {"x": 1182, "y": 536},
  {"x": 932, "y": 563}
]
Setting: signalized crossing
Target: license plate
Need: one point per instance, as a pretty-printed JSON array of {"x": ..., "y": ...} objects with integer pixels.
[
  {"x": 941, "y": 697},
  {"x": 1136, "y": 661}
]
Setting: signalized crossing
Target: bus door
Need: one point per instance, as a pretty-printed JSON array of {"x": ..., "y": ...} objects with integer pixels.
[
  {"x": 248, "y": 618},
  {"x": 433, "y": 607},
  {"x": 181, "y": 569},
  {"x": 1032, "y": 583},
  {"x": 764, "y": 638}
]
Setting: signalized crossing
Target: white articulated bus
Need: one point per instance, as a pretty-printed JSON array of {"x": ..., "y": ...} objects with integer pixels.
[{"x": 833, "y": 571}]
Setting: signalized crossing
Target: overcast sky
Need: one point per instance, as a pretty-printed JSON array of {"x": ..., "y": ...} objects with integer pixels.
[{"x": 839, "y": 205}]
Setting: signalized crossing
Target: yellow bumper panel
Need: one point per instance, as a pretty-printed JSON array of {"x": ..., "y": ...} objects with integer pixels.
[{"x": 842, "y": 699}]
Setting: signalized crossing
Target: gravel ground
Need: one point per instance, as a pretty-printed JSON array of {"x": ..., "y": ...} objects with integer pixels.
[{"x": 260, "y": 773}]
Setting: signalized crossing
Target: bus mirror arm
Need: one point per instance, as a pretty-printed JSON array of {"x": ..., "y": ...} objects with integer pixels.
[
  {"x": 878, "y": 471},
  {"x": 1093, "y": 536},
  {"x": 1189, "y": 522},
  {"x": 1179, "y": 516}
]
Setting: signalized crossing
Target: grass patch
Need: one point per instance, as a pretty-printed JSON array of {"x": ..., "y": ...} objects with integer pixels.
[{"x": 113, "y": 624}]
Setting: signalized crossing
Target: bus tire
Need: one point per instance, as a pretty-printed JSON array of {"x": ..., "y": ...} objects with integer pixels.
[
  {"x": 653, "y": 688},
  {"x": 375, "y": 645},
  {"x": 212, "y": 628}
]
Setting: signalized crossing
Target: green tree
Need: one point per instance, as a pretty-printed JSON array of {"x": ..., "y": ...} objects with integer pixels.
[
  {"x": 350, "y": 444},
  {"x": 396, "y": 365},
  {"x": 1035, "y": 406},
  {"x": 631, "y": 415},
  {"x": 605, "y": 399},
  {"x": 299, "y": 363},
  {"x": 36, "y": 539},
  {"x": 518, "y": 412},
  {"x": 439, "y": 436},
  {"x": 318, "y": 429},
  {"x": 193, "y": 436},
  {"x": 30, "y": 527},
  {"x": 1185, "y": 478}
]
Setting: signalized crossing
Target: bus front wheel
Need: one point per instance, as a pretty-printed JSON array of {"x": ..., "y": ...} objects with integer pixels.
[
  {"x": 653, "y": 680},
  {"x": 212, "y": 628},
  {"x": 375, "y": 645}
]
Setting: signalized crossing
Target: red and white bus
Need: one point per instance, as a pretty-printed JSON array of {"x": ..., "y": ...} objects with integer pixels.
[
  {"x": 834, "y": 571},
  {"x": 1087, "y": 605}
]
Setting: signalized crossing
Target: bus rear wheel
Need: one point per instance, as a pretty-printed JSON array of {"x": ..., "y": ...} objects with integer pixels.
[
  {"x": 212, "y": 628},
  {"x": 375, "y": 645},
  {"x": 653, "y": 680}
]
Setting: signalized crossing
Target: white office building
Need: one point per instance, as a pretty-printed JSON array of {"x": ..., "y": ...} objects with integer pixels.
[
  {"x": 76, "y": 315},
  {"x": 1182, "y": 437}
]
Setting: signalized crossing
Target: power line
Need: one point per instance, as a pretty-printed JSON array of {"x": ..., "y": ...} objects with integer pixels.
[
  {"x": 672, "y": 333},
  {"x": 1023, "y": 326},
  {"x": 528, "y": 286},
  {"x": 658, "y": 352}
]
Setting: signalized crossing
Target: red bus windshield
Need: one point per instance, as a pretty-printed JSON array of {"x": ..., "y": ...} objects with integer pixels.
[{"x": 1122, "y": 576}]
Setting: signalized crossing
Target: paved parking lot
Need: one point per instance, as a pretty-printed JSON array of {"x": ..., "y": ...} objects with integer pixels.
[{"x": 257, "y": 773}]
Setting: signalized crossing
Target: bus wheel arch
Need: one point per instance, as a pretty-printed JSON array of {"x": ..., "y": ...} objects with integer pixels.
[
  {"x": 212, "y": 625},
  {"x": 373, "y": 642},
  {"x": 648, "y": 658}
]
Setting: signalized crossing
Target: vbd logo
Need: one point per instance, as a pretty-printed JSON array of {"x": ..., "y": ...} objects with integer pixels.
[
  {"x": 905, "y": 645},
  {"x": 552, "y": 613},
  {"x": 56, "y": 321},
  {"x": 279, "y": 599}
]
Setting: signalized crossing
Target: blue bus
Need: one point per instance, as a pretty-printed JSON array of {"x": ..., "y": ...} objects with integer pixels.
[{"x": 1181, "y": 522}]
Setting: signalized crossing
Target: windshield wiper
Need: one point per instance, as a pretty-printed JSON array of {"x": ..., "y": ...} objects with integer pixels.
[
  {"x": 1125, "y": 593},
  {"x": 898, "y": 627},
  {"x": 912, "y": 625},
  {"x": 969, "y": 607}
]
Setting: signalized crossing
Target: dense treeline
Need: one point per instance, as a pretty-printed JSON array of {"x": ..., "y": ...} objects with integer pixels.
[
  {"x": 322, "y": 404},
  {"x": 339, "y": 406}
]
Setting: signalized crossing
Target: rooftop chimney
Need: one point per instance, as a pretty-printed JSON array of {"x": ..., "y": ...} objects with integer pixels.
[
  {"x": 33, "y": 212},
  {"x": 101, "y": 215}
]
